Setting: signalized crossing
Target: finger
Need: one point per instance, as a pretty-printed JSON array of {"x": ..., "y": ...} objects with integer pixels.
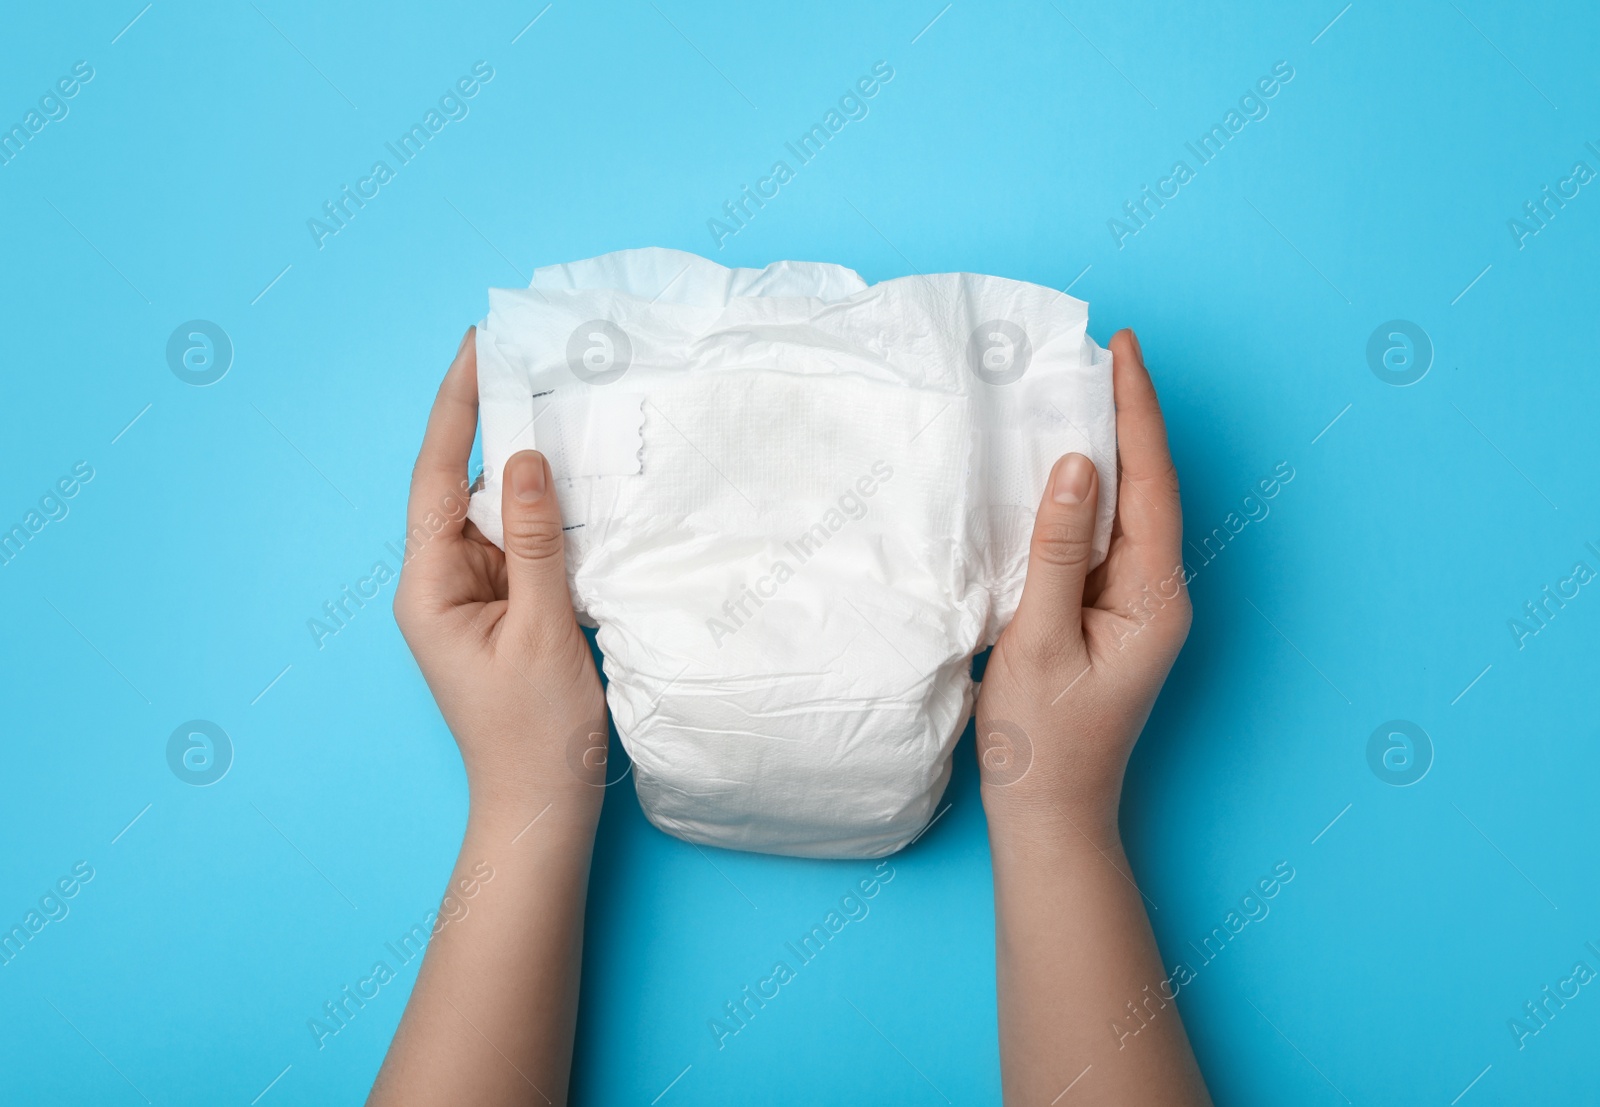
[
  {"x": 439, "y": 480},
  {"x": 1049, "y": 620},
  {"x": 1149, "y": 513},
  {"x": 539, "y": 606}
]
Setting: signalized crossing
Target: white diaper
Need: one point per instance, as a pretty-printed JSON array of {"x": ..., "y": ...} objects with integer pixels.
[{"x": 795, "y": 507}]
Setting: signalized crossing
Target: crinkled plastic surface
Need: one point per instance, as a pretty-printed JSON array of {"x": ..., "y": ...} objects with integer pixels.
[{"x": 795, "y": 506}]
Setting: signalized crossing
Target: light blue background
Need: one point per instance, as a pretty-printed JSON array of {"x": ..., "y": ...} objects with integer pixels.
[{"x": 1379, "y": 586}]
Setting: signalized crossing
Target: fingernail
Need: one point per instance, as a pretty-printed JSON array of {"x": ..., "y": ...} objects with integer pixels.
[
  {"x": 527, "y": 477},
  {"x": 1072, "y": 479},
  {"x": 465, "y": 339},
  {"x": 1137, "y": 349}
]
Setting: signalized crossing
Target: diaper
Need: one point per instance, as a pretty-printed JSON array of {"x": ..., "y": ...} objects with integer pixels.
[{"x": 795, "y": 507}]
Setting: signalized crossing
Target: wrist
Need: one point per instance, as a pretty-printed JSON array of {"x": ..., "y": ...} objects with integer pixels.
[
  {"x": 502, "y": 810},
  {"x": 1050, "y": 779},
  {"x": 1025, "y": 824},
  {"x": 1044, "y": 794}
]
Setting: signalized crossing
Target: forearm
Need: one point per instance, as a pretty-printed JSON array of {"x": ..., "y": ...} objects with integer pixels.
[
  {"x": 1083, "y": 998},
  {"x": 492, "y": 1016}
]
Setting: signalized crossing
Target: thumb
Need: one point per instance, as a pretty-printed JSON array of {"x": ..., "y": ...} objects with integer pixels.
[
  {"x": 1050, "y": 613},
  {"x": 536, "y": 564}
]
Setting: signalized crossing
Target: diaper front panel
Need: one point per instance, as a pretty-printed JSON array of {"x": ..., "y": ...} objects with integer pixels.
[{"x": 777, "y": 597}]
